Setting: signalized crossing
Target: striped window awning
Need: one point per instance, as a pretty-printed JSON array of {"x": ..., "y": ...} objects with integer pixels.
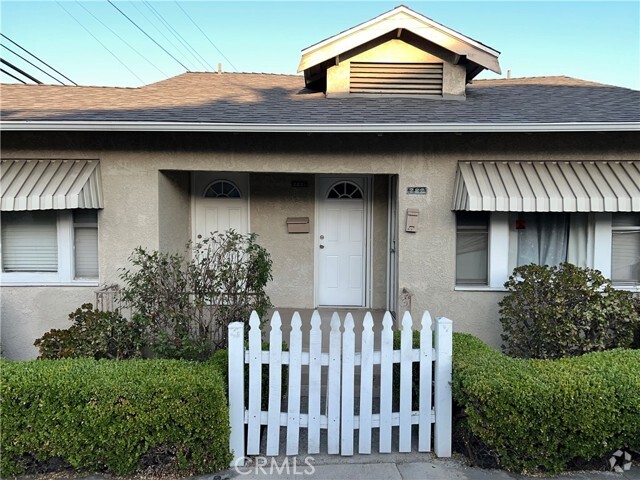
[
  {"x": 552, "y": 186},
  {"x": 50, "y": 184}
]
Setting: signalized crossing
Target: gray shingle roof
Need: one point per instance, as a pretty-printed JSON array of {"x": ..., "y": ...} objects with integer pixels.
[{"x": 281, "y": 99}]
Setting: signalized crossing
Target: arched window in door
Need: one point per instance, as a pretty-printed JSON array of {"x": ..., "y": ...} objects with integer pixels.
[
  {"x": 222, "y": 189},
  {"x": 345, "y": 190}
]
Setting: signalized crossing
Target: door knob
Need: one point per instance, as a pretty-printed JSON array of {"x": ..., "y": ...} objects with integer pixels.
[
  {"x": 321, "y": 246},
  {"x": 321, "y": 237},
  {"x": 199, "y": 236}
]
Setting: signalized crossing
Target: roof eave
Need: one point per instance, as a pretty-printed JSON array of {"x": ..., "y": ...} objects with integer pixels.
[
  {"x": 84, "y": 126},
  {"x": 413, "y": 21}
]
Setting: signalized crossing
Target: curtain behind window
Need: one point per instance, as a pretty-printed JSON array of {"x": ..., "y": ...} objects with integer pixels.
[{"x": 543, "y": 239}]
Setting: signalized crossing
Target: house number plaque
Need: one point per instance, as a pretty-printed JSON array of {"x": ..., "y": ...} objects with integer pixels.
[{"x": 416, "y": 190}]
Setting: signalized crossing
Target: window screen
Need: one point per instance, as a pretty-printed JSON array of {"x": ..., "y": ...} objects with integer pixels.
[
  {"x": 85, "y": 233},
  {"x": 472, "y": 246},
  {"x": 625, "y": 248}
]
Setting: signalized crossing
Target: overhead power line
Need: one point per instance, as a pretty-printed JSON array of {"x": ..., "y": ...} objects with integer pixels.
[
  {"x": 12, "y": 76},
  {"x": 180, "y": 38},
  {"x": 205, "y": 35},
  {"x": 103, "y": 45},
  {"x": 148, "y": 36},
  {"x": 32, "y": 64},
  {"x": 153, "y": 22},
  {"x": 41, "y": 61},
  {"x": 123, "y": 40},
  {"x": 21, "y": 72}
]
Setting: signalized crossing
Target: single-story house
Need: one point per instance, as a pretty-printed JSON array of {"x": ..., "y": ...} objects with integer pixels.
[{"x": 384, "y": 177}]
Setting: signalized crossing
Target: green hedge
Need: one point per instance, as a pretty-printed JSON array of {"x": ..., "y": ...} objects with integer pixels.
[
  {"x": 109, "y": 415},
  {"x": 541, "y": 415}
]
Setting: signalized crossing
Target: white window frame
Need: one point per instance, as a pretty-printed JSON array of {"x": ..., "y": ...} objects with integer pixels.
[
  {"x": 65, "y": 274},
  {"x": 599, "y": 241}
]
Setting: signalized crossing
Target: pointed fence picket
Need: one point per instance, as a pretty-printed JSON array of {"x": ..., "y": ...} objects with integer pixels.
[{"x": 342, "y": 364}]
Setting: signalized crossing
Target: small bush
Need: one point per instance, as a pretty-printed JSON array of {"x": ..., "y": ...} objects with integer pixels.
[
  {"x": 554, "y": 312},
  {"x": 542, "y": 415},
  {"x": 112, "y": 416},
  {"x": 96, "y": 334},
  {"x": 189, "y": 298}
]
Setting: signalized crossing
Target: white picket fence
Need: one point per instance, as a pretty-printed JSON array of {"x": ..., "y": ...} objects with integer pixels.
[{"x": 341, "y": 362}]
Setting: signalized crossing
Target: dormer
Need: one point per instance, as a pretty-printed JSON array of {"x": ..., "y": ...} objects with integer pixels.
[{"x": 400, "y": 52}]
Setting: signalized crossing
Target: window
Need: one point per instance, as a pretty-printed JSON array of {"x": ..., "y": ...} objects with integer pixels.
[
  {"x": 490, "y": 245},
  {"x": 49, "y": 246},
  {"x": 548, "y": 239},
  {"x": 472, "y": 248},
  {"x": 222, "y": 189},
  {"x": 345, "y": 190},
  {"x": 625, "y": 249}
]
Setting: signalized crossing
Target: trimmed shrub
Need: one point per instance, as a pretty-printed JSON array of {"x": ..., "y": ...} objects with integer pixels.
[
  {"x": 541, "y": 415},
  {"x": 105, "y": 415},
  {"x": 95, "y": 334},
  {"x": 555, "y": 312}
]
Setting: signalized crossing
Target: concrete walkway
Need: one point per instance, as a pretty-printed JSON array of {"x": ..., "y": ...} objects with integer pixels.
[{"x": 411, "y": 466}]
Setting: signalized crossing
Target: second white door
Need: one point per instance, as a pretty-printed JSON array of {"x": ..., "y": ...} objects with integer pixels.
[{"x": 341, "y": 242}]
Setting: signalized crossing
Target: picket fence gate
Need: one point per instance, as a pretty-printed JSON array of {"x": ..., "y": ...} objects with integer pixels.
[{"x": 434, "y": 357}]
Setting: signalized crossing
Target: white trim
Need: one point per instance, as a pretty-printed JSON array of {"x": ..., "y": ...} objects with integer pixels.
[
  {"x": 411, "y": 13},
  {"x": 98, "y": 126},
  {"x": 392, "y": 236},
  {"x": 498, "y": 250},
  {"x": 478, "y": 288},
  {"x": 41, "y": 283},
  {"x": 602, "y": 243}
]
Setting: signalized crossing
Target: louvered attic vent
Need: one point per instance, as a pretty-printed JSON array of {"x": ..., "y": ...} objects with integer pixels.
[{"x": 396, "y": 78}]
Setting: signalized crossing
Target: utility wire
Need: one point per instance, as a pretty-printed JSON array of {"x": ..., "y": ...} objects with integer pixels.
[
  {"x": 103, "y": 45},
  {"x": 123, "y": 40},
  {"x": 153, "y": 22},
  {"x": 136, "y": 25},
  {"x": 13, "y": 76},
  {"x": 41, "y": 61},
  {"x": 32, "y": 64},
  {"x": 205, "y": 35},
  {"x": 180, "y": 38},
  {"x": 21, "y": 72}
]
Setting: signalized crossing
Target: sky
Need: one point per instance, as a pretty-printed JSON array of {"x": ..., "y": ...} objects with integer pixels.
[{"x": 592, "y": 40}]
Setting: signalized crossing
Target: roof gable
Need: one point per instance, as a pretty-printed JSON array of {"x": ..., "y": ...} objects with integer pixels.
[{"x": 399, "y": 19}]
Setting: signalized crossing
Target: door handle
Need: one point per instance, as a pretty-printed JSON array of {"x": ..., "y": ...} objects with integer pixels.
[{"x": 321, "y": 246}]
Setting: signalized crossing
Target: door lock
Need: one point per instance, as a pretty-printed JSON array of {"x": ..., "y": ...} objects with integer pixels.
[
  {"x": 199, "y": 236},
  {"x": 321, "y": 237}
]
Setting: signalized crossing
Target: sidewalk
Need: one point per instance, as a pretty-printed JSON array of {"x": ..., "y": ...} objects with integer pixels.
[{"x": 407, "y": 466}]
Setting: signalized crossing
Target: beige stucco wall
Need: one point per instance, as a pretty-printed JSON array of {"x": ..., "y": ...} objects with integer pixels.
[
  {"x": 174, "y": 210},
  {"x": 273, "y": 199},
  {"x": 26, "y": 313},
  {"x": 137, "y": 196}
]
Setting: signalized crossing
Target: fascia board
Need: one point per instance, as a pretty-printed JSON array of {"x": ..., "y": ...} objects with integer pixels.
[
  {"x": 317, "y": 128},
  {"x": 395, "y": 19}
]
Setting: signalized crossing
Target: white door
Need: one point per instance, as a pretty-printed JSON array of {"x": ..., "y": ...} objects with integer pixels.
[
  {"x": 341, "y": 242},
  {"x": 220, "y": 202}
]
